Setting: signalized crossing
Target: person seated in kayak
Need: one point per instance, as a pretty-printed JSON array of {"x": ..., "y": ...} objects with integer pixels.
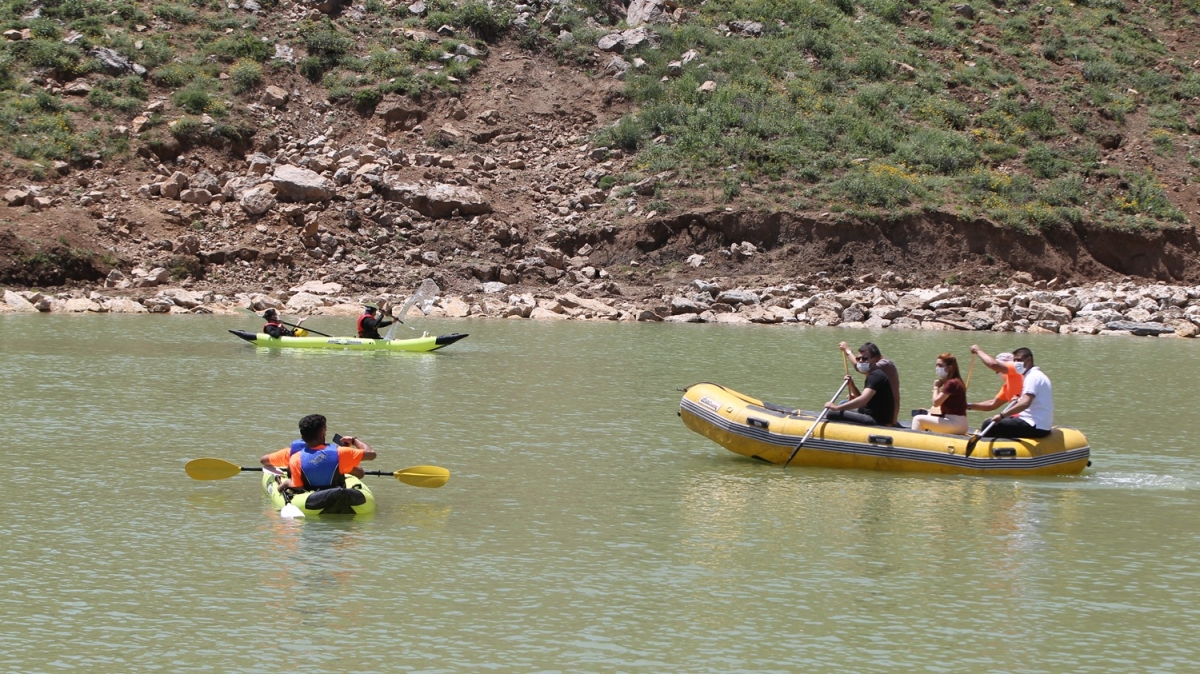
[
  {"x": 1013, "y": 381},
  {"x": 875, "y": 400},
  {"x": 319, "y": 465},
  {"x": 949, "y": 400},
  {"x": 369, "y": 323},
  {"x": 886, "y": 366},
  {"x": 274, "y": 328},
  {"x": 1033, "y": 415}
]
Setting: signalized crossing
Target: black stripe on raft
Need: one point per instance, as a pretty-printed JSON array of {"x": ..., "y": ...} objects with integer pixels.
[{"x": 892, "y": 451}]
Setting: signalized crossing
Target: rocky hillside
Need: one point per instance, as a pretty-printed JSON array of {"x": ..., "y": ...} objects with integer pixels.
[{"x": 594, "y": 146}]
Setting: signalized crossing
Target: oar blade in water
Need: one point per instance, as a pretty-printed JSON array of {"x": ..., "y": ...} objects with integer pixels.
[
  {"x": 430, "y": 477},
  {"x": 211, "y": 469}
]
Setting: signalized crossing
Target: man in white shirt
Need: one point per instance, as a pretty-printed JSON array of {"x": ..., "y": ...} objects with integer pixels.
[{"x": 1033, "y": 415}]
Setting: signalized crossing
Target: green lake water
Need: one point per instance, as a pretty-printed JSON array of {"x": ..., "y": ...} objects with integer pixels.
[{"x": 584, "y": 528}]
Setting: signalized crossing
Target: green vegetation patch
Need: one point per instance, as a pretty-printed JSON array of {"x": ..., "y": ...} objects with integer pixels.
[{"x": 880, "y": 105}]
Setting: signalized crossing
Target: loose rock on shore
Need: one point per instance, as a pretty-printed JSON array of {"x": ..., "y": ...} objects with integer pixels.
[{"x": 1105, "y": 308}]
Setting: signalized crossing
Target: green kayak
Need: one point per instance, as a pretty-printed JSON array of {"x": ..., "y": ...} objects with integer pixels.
[{"x": 424, "y": 343}]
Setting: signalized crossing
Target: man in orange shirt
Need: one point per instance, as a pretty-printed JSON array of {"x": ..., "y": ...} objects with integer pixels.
[
  {"x": 1004, "y": 366},
  {"x": 318, "y": 465}
]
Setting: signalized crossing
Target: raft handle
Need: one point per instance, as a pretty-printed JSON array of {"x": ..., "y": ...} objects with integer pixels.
[
  {"x": 758, "y": 423},
  {"x": 880, "y": 439},
  {"x": 1001, "y": 452}
]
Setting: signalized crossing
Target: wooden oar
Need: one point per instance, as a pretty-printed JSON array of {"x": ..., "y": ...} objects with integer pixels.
[
  {"x": 967, "y": 384},
  {"x": 430, "y": 477},
  {"x": 290, "y": 325},
  {"x": 974, "y": 439},
  {"x": 820, "y": 417}
]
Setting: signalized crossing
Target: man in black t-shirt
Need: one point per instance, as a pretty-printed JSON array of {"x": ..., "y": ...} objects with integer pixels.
[{"x": 875, "y": 405}]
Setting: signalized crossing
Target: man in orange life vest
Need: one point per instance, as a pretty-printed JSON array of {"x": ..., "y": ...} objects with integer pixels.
[
  {"x": 1003, "y": 365},
  {"x": 313, "y": 464},
  {"x": 369, "y": 323}
]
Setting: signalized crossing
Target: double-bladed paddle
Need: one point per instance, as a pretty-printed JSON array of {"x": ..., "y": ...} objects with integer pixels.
[
  {"x": 430, "y": 477},
  {"x": 290, "y": 325},
  {"x": 427, "y": 289}
]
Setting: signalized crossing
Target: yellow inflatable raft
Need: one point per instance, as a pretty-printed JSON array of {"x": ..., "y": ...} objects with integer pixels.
[{"x": 770, "y": 432}]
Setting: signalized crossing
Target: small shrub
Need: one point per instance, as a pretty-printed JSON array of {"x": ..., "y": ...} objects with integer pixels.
[
  {"x": 1040, "y": 121},
  {"x": 233, "y": 47},
  {"x": 1189, "y": 87},
  {"x": 940, "y": 151},
  {"x": 874, "y": 65},
  {"x": 1102, "y": 72},
  {"x": 1067, "y": 191},
  {"x": 1045, "y": 162},
  {"x": 625, "y": 134},
  {"x": 175, "y": 13},
  {"x": 175, "y": 75},
  {"x": 1164, "y": 144},
  {"x": 389, "y": 64},
  {"x": 367, "y": 99},
  {"x": 324, "y": 41},
  {"x": 245, "y": 75},
  {"x": 196, "y": 98},
  {"x": 880, "y": 185},
  {"x": 312, "y": 68},
  {"x": 47, "y": 101},
  {"x": 485, "y": 22},
  {"x": 1149, "y": 196},
  {"x": 187, "y": 128}
]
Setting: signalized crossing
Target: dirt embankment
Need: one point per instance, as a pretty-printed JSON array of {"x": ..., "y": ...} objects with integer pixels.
[{"x": 926, "y": 249}]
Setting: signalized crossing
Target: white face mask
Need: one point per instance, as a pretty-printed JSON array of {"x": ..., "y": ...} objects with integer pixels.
[
  {"x": 862, "y": 367},
  {"x": 1020, "y": 367},
  {"x": 940, "y": 372}
]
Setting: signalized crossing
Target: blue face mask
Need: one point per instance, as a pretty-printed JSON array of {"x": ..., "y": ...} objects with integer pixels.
[
  {"x": 1020, "y": 367},
  {"x": 863, "y": 367}
]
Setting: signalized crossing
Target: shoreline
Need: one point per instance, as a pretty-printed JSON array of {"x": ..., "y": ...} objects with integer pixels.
[{"x": 1021, "y": 306}]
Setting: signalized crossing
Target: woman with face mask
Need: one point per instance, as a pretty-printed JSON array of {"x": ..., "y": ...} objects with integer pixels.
[{"x": 949, "y": 394}]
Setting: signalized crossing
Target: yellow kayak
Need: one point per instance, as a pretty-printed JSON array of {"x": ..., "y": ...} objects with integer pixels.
[
  {"x": 770, "y": 432},
  {"x": 353, "y": 499},
  {"x": 426, "y": 343}
]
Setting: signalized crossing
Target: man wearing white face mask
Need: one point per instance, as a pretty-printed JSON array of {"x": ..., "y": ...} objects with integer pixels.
[
  {"x": 878, "y": 362},
  {"x": 1033, "y": 415},
  {"x": 876, "y": 401}
]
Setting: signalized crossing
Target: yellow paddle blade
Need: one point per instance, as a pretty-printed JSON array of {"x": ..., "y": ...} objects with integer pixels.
[
  {"x": 211, "y": 469},
  {"x": 430, "y": 477}
]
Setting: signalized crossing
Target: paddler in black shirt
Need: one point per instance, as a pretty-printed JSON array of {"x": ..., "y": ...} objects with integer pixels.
[
  {"x": 874, "y": 405},
  {"x": 369, "y": 323},
  {"x": 275, "y": 329}
]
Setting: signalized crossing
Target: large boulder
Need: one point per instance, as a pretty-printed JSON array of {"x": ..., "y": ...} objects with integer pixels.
[
  {"x": 1141, "y": 329},
  {"x": 123, "y": 305},
  {"x": 300, "y": 184},
  {"x": 318, "y": 288},
  {"x": 18, "y": 303},
  {"x": 646, "y": 11},
  {"x": 438, "y": 200},
  {"x": 257, "y": 200},
  {"x": 304, "y": 302},
  {"x": 402, "y": 115}
]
